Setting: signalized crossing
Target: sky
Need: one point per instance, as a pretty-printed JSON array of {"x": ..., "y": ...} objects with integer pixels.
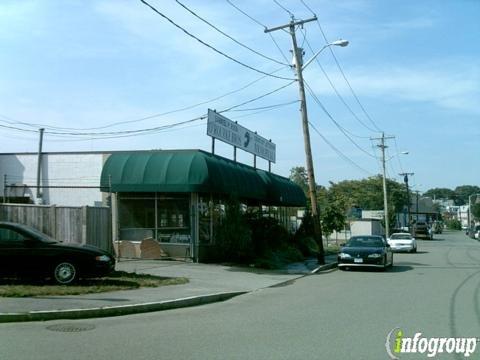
[{"x": 92, "y": 71}]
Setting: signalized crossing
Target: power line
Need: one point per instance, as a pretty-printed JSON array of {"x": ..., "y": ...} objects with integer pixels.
[
  {"x": 269, "y": 106},
  {"x": 189, "y": 107},
  {"x": 341, "y": 70},
  {"x": 308, "y": 8},
  {"x": 398, "y": 157},
  {"x": 346, "y": 80},
  {"x": 227, "y": 35},
  {"x": 258, "y": 97},
  {"x": 262, "y": 25},
  {"x": 342, "y": 155},
  {"x": 284, "y": 8},
  {"x": 338, "y": 93},
  {"x": 210, "y": 46},
  {"x": 341, "y": 128},
  {"x": 126, "y": 133}
]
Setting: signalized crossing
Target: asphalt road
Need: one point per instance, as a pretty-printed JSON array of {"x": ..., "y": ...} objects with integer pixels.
[{"x": 334, "y": 315}]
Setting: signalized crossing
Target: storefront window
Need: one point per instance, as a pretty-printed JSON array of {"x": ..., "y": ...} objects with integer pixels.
[
  {"x": 210, "y": 212},
  {"x": 173, "y": 219},
  {"x": 150, "y": 215},
  {"x": 137, "y": 219}
]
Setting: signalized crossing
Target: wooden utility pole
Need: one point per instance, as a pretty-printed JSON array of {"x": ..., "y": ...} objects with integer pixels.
[
  {"x": 385, "y": 198},
  {"x": 312, "y": 186},
  {"x": 405, "y": 179}
]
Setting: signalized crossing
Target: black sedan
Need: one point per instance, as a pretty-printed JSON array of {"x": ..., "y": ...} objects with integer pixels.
[
  {"x": 25, "y": 251},
  {"x": 367, "y": 250}
]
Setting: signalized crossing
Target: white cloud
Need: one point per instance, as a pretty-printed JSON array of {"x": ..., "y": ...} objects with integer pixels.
[{"x": 447, "y": 85}]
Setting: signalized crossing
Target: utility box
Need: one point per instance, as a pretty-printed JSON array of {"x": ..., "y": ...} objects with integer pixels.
[{"x": 367, "y": 227}]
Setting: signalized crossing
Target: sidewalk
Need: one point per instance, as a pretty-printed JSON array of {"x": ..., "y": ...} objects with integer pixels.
[{"x": 207, "y": 283}]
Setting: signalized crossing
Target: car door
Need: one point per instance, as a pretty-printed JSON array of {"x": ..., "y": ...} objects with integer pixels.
[{"x": 12, "y": 250}]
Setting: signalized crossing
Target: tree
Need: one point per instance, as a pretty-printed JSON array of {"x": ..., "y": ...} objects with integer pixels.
[
  {"x": 299, "y": 176},
  {"x": 440, "y": 193},
  {"x": 476, "y": 210},
  {"x": 463, "y": 192},
  {"x": 332, "y": 218}
]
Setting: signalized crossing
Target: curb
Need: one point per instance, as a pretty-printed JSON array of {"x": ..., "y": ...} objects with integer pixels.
[
  {"x": 118, "y": 310},
  {"x": 324, "y": 267}
]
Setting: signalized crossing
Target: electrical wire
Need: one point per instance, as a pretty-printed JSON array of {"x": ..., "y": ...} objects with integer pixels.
[
  {"x": 210, "y": 46},
  {"x": 228, "y": 36},
  {"x": 341, "y": 128},
  {"x": 189, "y": 107},
  {"x": 127, "y": 133},
  {"x": 258, "y": 97},
  {"x": 341, "y": 70},
  {"x": 346, "y": 80},
  {"x": 269, "y": 106},
  {"x": 339, "y": 95},
  {"x": 342, "y": 155},
  {"x": 284, "y": 8},
  {"x": 398, "y": 157},
  {"x": 262, "y": 25}
]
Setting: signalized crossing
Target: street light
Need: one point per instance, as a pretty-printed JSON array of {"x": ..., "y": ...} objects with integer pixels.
[
  {"x": 299, "y": 66},
  {"x": 340, "y": 42}
]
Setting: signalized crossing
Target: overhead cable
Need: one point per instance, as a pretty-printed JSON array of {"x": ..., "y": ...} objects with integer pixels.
[
  {"x": 210, "y": 46},
  {"x": 228, "y": 36},
  {"x": 341, "y": 128}
]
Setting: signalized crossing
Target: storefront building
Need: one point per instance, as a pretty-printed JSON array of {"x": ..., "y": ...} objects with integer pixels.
[{"x": 177, "y": 198}]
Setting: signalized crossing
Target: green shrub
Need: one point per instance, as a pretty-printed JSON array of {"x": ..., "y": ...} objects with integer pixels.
[
  {"x": 234, "y": 237},
  {"x": 307, "y": 245},
  {"x": 267, "y": 234},
  {"x": 454, "y": 224}
]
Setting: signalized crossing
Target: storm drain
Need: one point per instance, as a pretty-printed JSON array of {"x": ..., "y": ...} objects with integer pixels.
[{"x": 71, "y": 328}]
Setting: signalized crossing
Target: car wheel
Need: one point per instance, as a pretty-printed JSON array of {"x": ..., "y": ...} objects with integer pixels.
[{"x": 65, "y": 273}]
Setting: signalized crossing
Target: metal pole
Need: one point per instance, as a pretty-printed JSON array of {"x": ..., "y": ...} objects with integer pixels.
[
  {"x": 39, "y": 164},
  {"x": 213, "y": 145},
  {"x": 4, "y": 188},
  {"x": 416, "y": 217},
  {"x": 235, "y": 153}
]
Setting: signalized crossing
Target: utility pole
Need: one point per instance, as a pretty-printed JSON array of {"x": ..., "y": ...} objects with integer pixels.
[
  {"x": 405, "y": 179},
  {"x": 39, "y": 165},
  {"x": 385, "y": 201},
  {"x": 298, "y": 59}
]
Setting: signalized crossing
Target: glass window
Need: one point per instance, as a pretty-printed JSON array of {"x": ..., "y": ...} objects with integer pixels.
[
  {"x": 137, "y": 213},
  {"x": 10, "y": 235}
]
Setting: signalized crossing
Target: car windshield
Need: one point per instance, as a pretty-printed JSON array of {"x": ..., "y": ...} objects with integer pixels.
[
  {"x": 400, "y": 237},
  {"x": 39, "y": 235},
  {"x": 366, "y": 241}
]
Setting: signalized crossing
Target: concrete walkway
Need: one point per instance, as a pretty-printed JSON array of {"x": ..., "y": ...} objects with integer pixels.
[{"x": 207, "y": 283}]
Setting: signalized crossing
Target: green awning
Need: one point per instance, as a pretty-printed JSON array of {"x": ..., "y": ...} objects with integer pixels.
[{"x": 186, "y": 171}]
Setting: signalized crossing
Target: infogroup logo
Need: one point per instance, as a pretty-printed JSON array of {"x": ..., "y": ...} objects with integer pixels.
[{"x": 397, "y": 343}]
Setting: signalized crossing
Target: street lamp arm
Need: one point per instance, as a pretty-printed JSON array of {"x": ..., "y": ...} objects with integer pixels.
[{"x": 342, "y": 43}]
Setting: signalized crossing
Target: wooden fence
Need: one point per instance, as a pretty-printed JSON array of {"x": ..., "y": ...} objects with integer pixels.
[{"x": 78, "y": 225}]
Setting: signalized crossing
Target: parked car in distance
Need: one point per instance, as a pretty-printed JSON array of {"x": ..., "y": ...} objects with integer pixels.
[
  {"x": 365, "y": 250},
  {"x": 25, "y": 251},
  {"x": 402, "y": 242}
]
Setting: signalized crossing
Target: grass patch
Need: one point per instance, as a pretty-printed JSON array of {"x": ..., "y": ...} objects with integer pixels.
[{"x": 117, "y": 280}]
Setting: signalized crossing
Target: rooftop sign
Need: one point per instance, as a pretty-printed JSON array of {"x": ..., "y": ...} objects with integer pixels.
[{"x": 226, "y": 130}]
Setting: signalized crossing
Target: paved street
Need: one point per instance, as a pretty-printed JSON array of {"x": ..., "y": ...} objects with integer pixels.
[{"x": 334, "y": 315}]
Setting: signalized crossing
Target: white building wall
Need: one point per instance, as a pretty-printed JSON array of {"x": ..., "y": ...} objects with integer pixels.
[{"x": 58, "y": 169}]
